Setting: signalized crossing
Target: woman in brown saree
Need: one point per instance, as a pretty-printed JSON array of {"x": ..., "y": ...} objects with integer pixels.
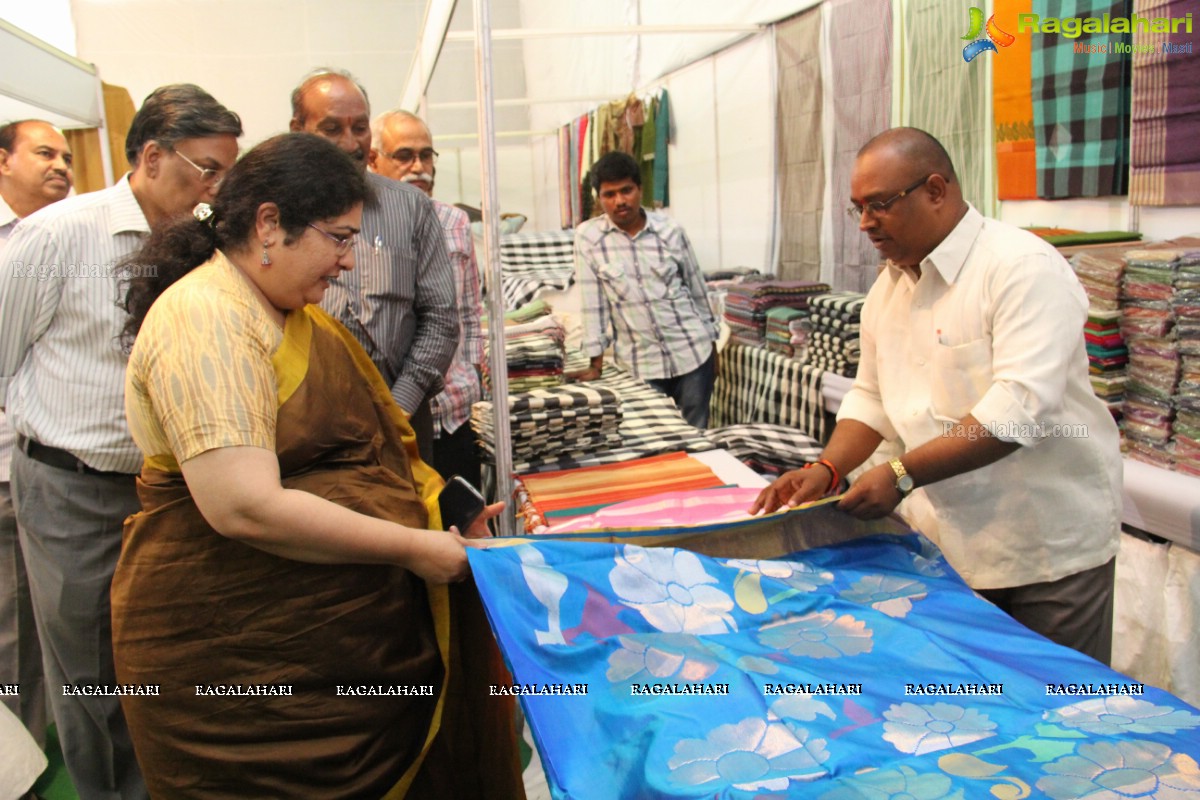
[{"x": 282, "y": 564}]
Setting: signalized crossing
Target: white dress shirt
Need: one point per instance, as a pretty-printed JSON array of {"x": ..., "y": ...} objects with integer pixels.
[
  {"x": 8, "y": 221},
  {"x": 994, "y": 328},
  {"x": 61, "y": 362}
]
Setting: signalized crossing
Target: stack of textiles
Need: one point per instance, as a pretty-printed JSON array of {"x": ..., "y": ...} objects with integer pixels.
[
  {"x": 1107, "y": 357},
  {"x": 767, "y": 449},
  {"x": 1100, "y": 272},
  {"x": 549, "y": 500},
  {"x": 650, "y": 424},
  {"x": 1147, "y": 324},
  {"x": 534, "y": 352},
  {"x": 780, "y": 337},
  {"x": 755, "y": 385},
  {"x": 1185, "y": 305},
  {"x": 833, "y": 327},
  {"x": 532, "y": 263},
  {"x": 747, "y": 303},
  {"x": 579, "y": 417}
]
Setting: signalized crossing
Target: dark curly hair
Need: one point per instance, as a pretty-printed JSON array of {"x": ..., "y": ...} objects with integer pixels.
[{"x": 307, "y": 177}]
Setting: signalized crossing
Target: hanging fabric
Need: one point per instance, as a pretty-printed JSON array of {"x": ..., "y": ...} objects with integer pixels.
[
  {"x": 1012, "y": 107},
  {"x": 1165, "y": 168},
  {"x": 1080, "y": 107}
]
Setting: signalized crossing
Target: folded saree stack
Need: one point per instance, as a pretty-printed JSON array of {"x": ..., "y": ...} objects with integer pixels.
[
  {"x": 833, "y": 326},
  {"x": 1148, "y": 324},
  {"x": 577, "y": 417},
  {"x": 1185, "y": 305},
  {"x": 533, "y": 349},
  {"x": 747, "y": 304},
  {"x": 781, "y": 322},
  {"x": 1100, "y": 273},
  {"x": 550, "y": 501}
]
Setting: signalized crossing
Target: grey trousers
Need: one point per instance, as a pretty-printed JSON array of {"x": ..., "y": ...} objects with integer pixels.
[
  {"x": 1075, "y": 611},
  {"x": 20, "y": 655},
  {"x": 70, "y": 529}
]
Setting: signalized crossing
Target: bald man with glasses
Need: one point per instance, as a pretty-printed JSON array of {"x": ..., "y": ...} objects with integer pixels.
[{"x": 973, "y": 360}]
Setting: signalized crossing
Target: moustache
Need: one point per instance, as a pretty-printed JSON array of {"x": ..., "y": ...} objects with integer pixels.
[{"x": 413, "y": 177}]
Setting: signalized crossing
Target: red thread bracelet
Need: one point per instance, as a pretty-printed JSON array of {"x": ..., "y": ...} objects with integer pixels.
[{"x": 835, "y": 478}]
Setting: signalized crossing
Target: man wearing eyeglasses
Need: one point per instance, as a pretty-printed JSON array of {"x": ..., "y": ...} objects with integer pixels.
[
  {"x": 973, "y": 360},
  {"x": 402, "y": 149},
  {"x": 62, "y": 385},
  {"x": 35, "y": 171},
  {"x": 399, "y": 301}
]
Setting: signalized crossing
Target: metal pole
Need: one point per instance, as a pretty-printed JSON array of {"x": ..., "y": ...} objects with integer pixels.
[{"x": 491, "y": 259}]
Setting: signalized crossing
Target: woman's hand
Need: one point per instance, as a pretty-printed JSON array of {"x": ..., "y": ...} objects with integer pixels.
[
  {"x": 479, "y": 528},
  {"x": 438, "y": 556}
]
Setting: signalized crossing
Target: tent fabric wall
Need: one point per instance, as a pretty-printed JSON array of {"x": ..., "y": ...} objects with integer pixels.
[
  {"x": 947, "y": 96},
  {"x": 801, "y": 169},
  {"x": 861, "y": 93}
]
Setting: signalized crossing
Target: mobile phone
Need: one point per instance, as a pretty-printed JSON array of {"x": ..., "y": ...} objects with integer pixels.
[{"x": 461, "y": 504}]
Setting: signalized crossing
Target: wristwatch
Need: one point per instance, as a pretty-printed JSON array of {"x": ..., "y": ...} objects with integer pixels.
[{"x": 904, "y": 481}]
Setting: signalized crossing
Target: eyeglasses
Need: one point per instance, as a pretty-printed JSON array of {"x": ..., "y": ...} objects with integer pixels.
[
  {"x": 880, "y": 206},
  {"x": 207, "y": 174},
  {"x": 406, "y": 155},
  {"x": 342, "y": 243}
]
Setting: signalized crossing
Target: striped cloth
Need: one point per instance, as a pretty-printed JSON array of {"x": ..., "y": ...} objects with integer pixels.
[
  {"x": 1080, "y": 107},
  {"x": 766, "y": 448},
  {"x": 863, "y": 86},
  {"x": 1165, "y": 157},
  {"x": 650, "y": 425},
  {"x": 833, "y": 331},
  {"x": 948, "y": 97},
  {"x": 759, "y": 386},
  {"x": 532, "y": 263}
]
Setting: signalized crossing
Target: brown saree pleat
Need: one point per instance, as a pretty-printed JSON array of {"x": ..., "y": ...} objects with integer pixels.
[{"x": 192, "y": 608}]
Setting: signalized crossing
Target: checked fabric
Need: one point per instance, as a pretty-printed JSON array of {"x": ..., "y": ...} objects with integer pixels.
[{"x": 533, "y": 263}]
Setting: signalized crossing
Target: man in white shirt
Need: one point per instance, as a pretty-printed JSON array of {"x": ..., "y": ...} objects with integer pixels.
[
  {"x": 973, "y": 359},
  {"x": 62, "y": 380},
  {"x": 35, "y": 171},
  {"x": 402, "y": 149}
]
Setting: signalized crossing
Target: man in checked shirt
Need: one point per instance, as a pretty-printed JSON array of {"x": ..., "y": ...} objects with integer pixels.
[{"x": 644, "y": 294}]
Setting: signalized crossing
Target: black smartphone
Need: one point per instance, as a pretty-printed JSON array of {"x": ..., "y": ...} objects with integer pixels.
[{"x": 461, "y": 503}]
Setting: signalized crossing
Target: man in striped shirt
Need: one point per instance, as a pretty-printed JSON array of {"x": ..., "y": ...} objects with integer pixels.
[
  {"x": 399, "y": 300},
  {"x": 402, "y": 149},
  {"x": 644, "y": 293},
  {"x": 35, "y": 171},
  {"x": 62, "y": 380}
]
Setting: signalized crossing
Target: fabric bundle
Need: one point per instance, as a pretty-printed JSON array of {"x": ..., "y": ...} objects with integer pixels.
[
  {"x": 767, "y": 449},
  {"x": 534, "y": 353},
  {"x": 1107, "y": 356},
  {"x": 833, "y": 329},
  {"x": 1153, "y": 373},
  {"x": 747, "y": 304},
  {"x": 533, "y": 263},
  {"x": 1100, "y": 273},
  {"x": 579, "y": 417},
  {"x": 755, "y": 385},
  {"x": 649, "y": 424},
  {"x": 779, "y": 336},
  {"x": 555, "y": 501}
]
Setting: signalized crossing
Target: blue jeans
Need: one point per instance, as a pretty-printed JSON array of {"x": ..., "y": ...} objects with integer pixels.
[{"x": 691, "y": 391}]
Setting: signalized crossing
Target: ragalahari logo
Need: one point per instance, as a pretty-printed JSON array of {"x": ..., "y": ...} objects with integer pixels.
[{"x": 979, "y": 43}]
